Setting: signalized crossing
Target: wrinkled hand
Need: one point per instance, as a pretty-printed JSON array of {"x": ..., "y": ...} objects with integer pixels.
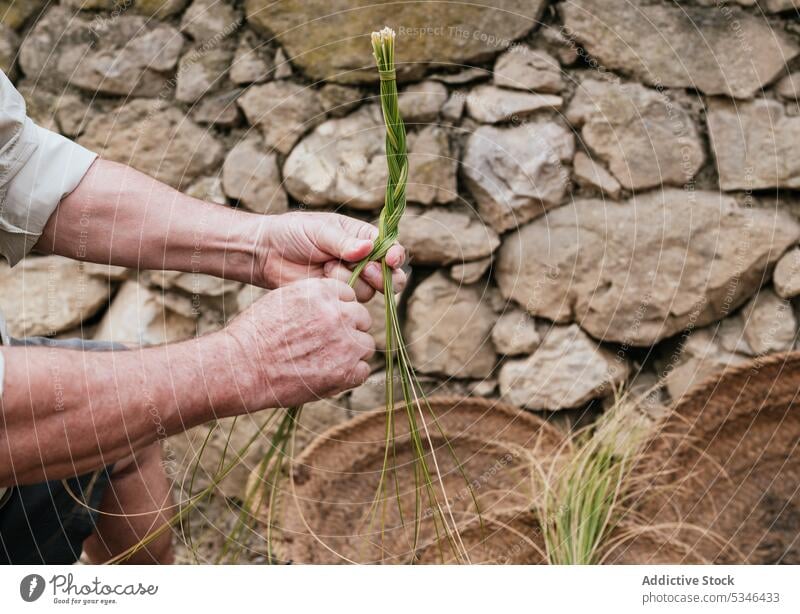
[
  {"x": 302, "y": 342},
  {"x": 312, "y": 245}
]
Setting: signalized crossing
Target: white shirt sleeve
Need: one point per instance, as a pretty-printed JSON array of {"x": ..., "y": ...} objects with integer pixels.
[{"x": 38, "y": 168}]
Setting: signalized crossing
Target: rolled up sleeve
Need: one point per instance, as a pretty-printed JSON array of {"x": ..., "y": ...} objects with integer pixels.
[{"x": 38, "y": 168}]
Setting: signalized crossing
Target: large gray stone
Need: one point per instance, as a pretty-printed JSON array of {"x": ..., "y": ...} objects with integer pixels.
[
  {"x": 421, "y": 102},
  {"x": 524, "y": 68},
  {"x": 769, "y": 323},
  {"x": 250, "y": 175},
  {"x": 490, "y": 104},
  {"x": 283, "y": 111},
  {"x": 441, "y": 236},
  {"x": 14, "y": 13},
  {"x": 566, "y": 371},
  {"x": 432, "y": 167},
  {"x": 210, "y": 21},
  {"x": 251, "y": 64},
  {"x": 754, "y": 144},
  {"x": 44, "y": 296},
  {"x": 786, "y": 277},
  {"x": 343, "y": 161},
  {"x": 155, "y": 138},
  {"x": 129, "y": 56},
  {"x": 448, "y": 329},
  {"x": 201, "y": 72},
  {"x": 716, "y": 52},
  {"x": 517, "y": 173},
  {"x": 138, "y": 316},
  {"x": 589, "y": 173},
  {"x": 151, "y": 8},
  {"x": 645, "y": 138},
  {"x": 640, "y": 271},
  {"x": 515, "y": 333},
  {"x": 335, "y": 44}
]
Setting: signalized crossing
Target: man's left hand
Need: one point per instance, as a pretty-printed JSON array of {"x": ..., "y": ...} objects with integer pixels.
[{"x": 304, "y": 245}]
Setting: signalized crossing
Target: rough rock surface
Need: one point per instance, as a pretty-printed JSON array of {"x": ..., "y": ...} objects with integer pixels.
[
  {"x": 786, "y": 277},
  {"x": 152, "y": 8},
  {"x": 490, "y": 104},
  {"x": 700, "y": 355},
  {"x": 156, "y": 139},
  {"x": 670, "y": 46},
  {"x": 640, "y": 271},
  {"x": 588, "y": 172},
  {"x": 130, "y": 56},
  {"x": 43, "y": 296},
  {"x": 440, "y": 236},
  {"x": 515, "y": 333},
  {"x": 644, "y": 137},
  {"x": 338, "y": 100},
  {"x": 470, "y": 272},
  {"x": 250, "y": 175},
  {"x": 250, "y": 63},
  {"x": 283, "y": 111},
  {"x": 448, "y": 329},
  {"x": 9, "y": 45},
  {"x": 210, "y": 20},
  {"x": 566, "y": 371},
  {"x": 332, "y": 46},
  {"x": 432, "y": 167},
  {"x": 524, "y": 68},
  {"x": 343, "y": 162},
  {"x": 200, "y": 73},
  {"x": 769, "y": 323},
  {"x": 14, "y": 13},
  {"x": 421, "y": 102},
  {"x": 788, "y": 88},
  {"x": 754, "y": 144},
  {"x": 516, "y": 174},
  {"x": 138, "y": 316}
]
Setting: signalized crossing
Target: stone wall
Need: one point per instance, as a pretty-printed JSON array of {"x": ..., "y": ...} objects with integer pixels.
[{"x": 601, "y": 192}]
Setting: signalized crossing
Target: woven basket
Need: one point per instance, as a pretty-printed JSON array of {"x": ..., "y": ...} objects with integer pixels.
[
  {"x": 324, "y": 509},
  {"x": 728, "y": 465}
]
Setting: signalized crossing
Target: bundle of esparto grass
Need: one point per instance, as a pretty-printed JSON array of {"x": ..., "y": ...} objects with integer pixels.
[{"x": 430, "y": 502}]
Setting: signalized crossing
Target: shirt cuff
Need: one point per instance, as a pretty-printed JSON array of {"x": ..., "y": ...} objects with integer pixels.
[{"x": 53, "y": 171}]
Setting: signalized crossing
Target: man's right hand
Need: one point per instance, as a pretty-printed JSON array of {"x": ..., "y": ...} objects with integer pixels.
[{"x": 302, "y": 342}]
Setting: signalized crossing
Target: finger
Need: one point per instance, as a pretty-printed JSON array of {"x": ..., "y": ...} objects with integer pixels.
[
  {"x": 343, "y": 291},
  {"x": 343, "y": 244},
  {"x": 373, "y": 275},
  {"x": 336, "y": 270},
  {"x": 357, "y": 315},
  {"x": 396, "y": 256},
  {"x": 360, "y": 373},
  {"x": 399, "y": 280},
  {"x": 367, "y": 343}
]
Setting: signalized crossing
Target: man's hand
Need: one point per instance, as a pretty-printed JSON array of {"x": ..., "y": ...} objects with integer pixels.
[
  {"x": 302, "y": 342},
  {"x": 120, "y": 216},
  {"x": 321, "y": 245}
]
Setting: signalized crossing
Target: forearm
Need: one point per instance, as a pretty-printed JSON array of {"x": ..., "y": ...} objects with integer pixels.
[
  {"x": 66, "y": 412},
  {"x": 120, "y": 216}
]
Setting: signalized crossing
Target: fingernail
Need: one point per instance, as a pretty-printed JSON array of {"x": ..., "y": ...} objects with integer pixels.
[
  {"x": 372, "y": 270},
  {"x": 328, "y": 267}
]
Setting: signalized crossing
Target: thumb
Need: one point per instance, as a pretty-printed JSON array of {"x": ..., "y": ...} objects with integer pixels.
[{"x": 342, "y": 245}]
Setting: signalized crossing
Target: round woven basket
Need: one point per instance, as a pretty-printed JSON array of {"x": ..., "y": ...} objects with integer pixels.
[
  {"x": 326, "y": 510},
  {"x": 511, "y": 537},
  {"x": 728, "y": 466}
]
